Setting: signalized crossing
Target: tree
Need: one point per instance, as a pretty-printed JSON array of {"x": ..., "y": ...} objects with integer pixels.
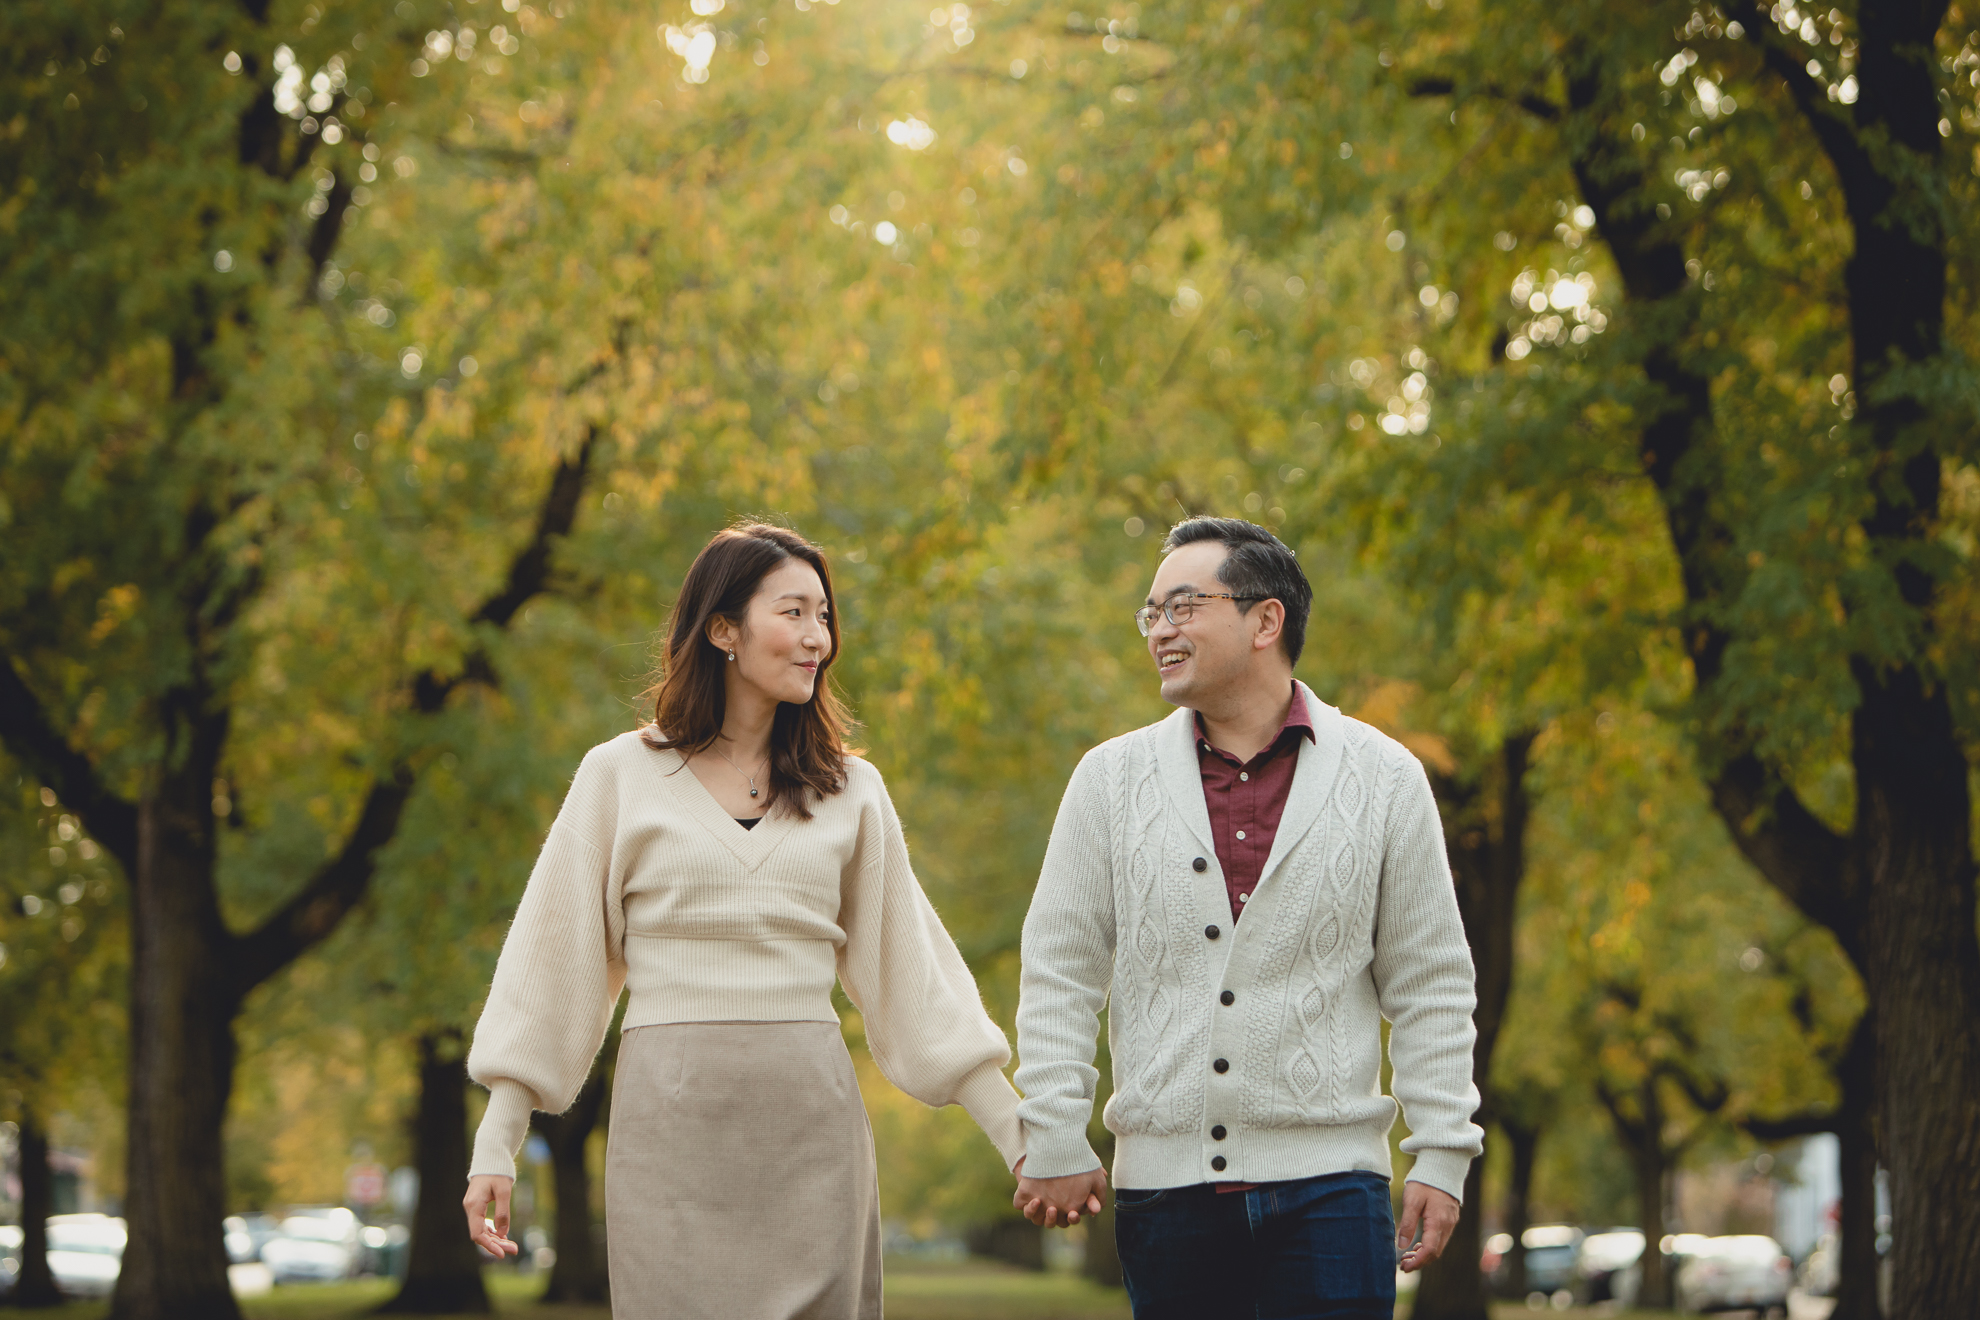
[
  {"x": 1870, "y": 588},
  {"x": 1485, "y": 818}
]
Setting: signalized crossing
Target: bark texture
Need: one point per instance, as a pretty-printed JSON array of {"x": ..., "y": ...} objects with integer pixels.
[{"x": 443, "y": 1269}]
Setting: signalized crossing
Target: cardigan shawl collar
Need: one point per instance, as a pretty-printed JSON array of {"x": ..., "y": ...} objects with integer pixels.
[{"x": 1313, "y": 780}]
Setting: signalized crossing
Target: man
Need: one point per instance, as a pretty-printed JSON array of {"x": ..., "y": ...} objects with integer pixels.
[{"x": 1259, "y": 881}]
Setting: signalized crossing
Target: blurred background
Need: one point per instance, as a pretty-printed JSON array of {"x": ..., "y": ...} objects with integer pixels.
[{"x": 370, "y": 372}]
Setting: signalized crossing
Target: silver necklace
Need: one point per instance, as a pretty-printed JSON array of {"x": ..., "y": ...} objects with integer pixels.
[{"x": 739, "y": 770}]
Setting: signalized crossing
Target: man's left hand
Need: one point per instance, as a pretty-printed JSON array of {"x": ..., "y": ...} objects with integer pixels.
[{"x": 1436, "y": 1213}]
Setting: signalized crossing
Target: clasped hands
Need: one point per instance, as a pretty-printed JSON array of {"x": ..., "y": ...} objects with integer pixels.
[{"x": 1058, "y": 1202}]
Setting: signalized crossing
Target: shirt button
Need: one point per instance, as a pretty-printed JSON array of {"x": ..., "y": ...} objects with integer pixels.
[
  {"x": 1217, "y": 1133},
  {"x": 1199, "y": 866},
  {"x": 1211, "y": 932},
  {"x": 1218, "y": 1163},
  {"x": 1244, "y": 898},
  {"x": 1240, "y": 834},
  {"x": 1243, "y": 777},
  {"x": 1227, "y": 999},
  {"x": 1222, "y": 1065}
]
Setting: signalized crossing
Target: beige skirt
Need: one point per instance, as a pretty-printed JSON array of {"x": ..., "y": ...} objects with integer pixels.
[{"x": 739, "y": 1180}]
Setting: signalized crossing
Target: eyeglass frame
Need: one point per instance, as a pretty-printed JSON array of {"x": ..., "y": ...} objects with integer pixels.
[{"x": 1144, "y": 618}]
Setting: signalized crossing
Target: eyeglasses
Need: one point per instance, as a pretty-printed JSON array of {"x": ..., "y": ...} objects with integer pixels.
[{"x": 1180, "y": 609}]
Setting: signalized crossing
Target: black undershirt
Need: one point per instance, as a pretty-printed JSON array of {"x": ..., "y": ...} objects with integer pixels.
[{"x": 749, "y": 824}]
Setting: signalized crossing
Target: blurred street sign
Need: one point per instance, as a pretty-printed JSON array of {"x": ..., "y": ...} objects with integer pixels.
[{"x": 364, "y": 1184}]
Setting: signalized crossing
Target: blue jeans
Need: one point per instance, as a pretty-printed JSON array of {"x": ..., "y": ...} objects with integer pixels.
[{"x": 1317, "y": 1247}]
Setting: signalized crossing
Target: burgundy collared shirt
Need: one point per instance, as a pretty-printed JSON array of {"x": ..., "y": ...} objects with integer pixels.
[{"x": 1247, "y": 798}]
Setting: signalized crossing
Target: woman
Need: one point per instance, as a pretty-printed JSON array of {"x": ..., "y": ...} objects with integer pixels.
[{"x": 727, "y": 862}]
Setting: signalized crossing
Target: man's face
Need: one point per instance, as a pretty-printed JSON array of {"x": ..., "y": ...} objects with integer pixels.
[{"x": 1210, "y": 654}]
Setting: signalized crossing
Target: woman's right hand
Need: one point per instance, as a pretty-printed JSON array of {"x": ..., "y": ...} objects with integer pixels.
[{"x": 488, "y": 1198}]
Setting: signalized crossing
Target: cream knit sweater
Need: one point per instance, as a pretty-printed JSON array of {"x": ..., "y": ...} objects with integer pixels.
[
  {"x": 646, "y": 882},
  {"x": 1354, "y": 920}
]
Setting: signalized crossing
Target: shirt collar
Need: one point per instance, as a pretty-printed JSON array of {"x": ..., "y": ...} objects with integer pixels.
[{"x": 1297, "y": 717}]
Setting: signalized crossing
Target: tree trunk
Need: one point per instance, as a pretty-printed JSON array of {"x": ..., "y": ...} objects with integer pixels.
[
  {"x": 183, "y": 1002},
  {"x": 1014, "y": 1241},
  {"x": 443, "y": 1269},
  {"x": 1913, "y": 822},
  {"x": 35, "y": 1286},
  {"x": 1453, "y": 1287},
  {"x": 1648, "y": 1160},
  {"x": 1488, "y": 858},
  {"x": 580, "y": 1272},
  {"x": 1856, "y": 1218},
  {"x": 1525, "y": 1143}
]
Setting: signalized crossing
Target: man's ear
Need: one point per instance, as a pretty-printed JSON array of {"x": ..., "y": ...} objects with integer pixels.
[{"x": 1270, "y": 621}]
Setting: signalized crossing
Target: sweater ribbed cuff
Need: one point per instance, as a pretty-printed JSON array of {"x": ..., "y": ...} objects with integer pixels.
[
  {"x": 1057, "y": 1152},
  {"x": 1441, "y": 1169},
  {"x": 503, "y": 1127},
  {"x": 987, "y": 1096}
]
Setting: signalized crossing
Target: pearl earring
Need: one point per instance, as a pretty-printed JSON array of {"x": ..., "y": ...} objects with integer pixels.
[{"x": 732, "y": 655}]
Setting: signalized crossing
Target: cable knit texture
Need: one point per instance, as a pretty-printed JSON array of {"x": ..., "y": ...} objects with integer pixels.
[
  {"x": 645, "y": 881},
  {"x": 1354, "y": 920}
]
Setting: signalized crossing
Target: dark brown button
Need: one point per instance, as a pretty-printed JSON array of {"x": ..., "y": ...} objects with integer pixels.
[
  {"x": 1227, "y": 998},
  {"x": 1217, "y": 1162},
  {"x": 1211, "y": 932},
  {"x": 1199, "y": 866},
  {"x": 1222, "y": 1065},
  {"x": 1217, "y": 1133}
]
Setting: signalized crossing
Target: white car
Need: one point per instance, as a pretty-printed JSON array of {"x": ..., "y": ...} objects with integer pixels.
[
  {"x": 10, "y": 1257},
  {"x": 314, "y": 1247},
  {"x": 1744, "y": 1272},
  {"x": 85, "y": 1253}
]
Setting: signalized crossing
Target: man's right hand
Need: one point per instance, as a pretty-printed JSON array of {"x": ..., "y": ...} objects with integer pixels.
[
  {"x": 1059, "y": 1202},
  {"x": 490, "y": 1192}
]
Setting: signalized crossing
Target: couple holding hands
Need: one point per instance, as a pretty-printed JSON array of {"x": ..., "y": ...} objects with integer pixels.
[{"x": 1249, "y": 887}]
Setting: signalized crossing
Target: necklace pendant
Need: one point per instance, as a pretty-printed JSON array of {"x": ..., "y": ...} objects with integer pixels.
[{"x": 752, "y": 792}]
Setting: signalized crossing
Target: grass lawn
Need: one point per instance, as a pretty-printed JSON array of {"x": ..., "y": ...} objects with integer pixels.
[{"x": 969, "y": 1290}]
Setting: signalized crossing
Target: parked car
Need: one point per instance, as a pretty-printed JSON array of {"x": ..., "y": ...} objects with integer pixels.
[
  {"x": 1551, "y": 1251},
  {"x": 85, "y": 1253},
  {"x": 247, "y": 1234},
  {"x": 1744, "y": 1272},
  {"x": 1609, "y": 1268},
  {"x": 314, "y": 1244}
]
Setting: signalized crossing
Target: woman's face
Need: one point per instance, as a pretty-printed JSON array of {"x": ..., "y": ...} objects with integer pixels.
[{"x": 784, "y": 638}]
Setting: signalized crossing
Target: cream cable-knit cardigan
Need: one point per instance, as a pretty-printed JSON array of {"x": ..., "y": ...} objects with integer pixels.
[
  {"x": 645, "y": 881},
  {"x": 1354, "y": 920}
]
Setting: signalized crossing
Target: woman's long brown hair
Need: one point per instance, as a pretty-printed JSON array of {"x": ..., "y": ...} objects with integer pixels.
[{"x": 808, "y": 747}]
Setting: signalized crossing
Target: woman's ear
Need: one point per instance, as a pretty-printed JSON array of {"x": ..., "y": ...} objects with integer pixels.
[{"x": 722, "y": 634}]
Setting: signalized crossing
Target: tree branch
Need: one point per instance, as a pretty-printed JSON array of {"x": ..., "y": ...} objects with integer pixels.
[
  {"x": 1830, "y": 121},
  {"x": 1532, "y": 102},
  {"x": 341, "y": 883},
  {"x": 34, "y": 740},
  {"x": 1790, "y": 1126},
  {"x": 1791, "y": 848}
]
